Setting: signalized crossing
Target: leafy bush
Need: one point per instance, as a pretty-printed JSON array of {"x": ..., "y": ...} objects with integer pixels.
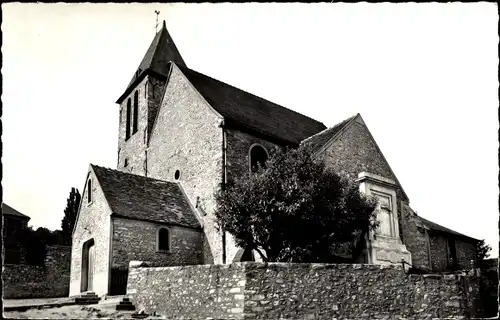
[{"x": 296, "y": 209}]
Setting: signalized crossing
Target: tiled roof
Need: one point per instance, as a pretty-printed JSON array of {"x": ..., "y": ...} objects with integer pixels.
[
  {"x": 139, "y": 197},
  {"x": 320, "y": 139},
  {"x": 249, "y": 111},
  {"x": 161, "y": 51},
  {"x": 8, "y": 210},
  {"x": 436, "y": 227}
]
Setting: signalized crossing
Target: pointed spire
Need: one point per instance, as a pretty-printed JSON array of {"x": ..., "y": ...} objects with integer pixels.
[{"x": 161, "y": 51}]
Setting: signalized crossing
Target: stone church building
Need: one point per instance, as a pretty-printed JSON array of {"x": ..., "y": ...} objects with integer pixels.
[{"x": 181, "y": 135}]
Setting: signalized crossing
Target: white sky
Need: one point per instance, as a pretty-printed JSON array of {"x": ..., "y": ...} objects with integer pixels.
[{"x": 423, "y": 76}]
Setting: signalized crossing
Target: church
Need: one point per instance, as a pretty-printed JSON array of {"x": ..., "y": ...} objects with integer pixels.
[{"x": 181, "y": 135}]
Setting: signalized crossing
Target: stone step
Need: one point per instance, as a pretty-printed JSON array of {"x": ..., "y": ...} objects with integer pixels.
[
  {"x": 77, "y": 300},
  {"x": 125, "y": 307},
  {"x": 109, "y": 300},
  {"x": 87, "y": 300}
]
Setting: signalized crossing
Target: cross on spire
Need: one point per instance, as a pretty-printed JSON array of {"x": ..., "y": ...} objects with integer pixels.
[{"x": 156, "y": 27}]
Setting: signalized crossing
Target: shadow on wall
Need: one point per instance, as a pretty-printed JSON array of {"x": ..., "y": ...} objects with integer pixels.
[{"x": 208, "y": 258}]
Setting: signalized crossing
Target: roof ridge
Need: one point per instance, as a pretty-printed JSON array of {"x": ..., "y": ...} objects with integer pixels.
[
  {"x": 133, "y": 174},
  {"x": 325, "y": 130},
  {"x": 249, "y": 93},
  {"x": 446, "y": 228}
]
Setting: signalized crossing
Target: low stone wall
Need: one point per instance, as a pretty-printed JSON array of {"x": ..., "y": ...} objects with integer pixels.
[
  {"x": 253, "y": 290},
  {"x": 52, "y": 280}
]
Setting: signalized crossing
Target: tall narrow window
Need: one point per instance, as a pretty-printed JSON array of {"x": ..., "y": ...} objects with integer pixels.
[
  {"x": 89, "y": 191},
  {"x": 258, "y": 157},
  {"x": 127, "y": 124},
  {"x": 136, "y": 111},
  {"x": 163, "y": 240}
]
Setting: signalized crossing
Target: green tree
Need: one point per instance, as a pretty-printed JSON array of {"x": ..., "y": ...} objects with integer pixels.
[
  {"x": 69, "y": 219},
  {"x": 296, "y": 209},
  {"x": 482, "y": 250}
]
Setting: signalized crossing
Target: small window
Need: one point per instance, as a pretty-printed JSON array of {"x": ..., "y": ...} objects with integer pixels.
[
  {"x": 177, "y": 174},
  {"x": 136, "y": 112},
  {"x": 125, "y": 163},
  {"x": 127, "y": 124},
  {"x": 89, "y": 191},
  {"x": 258, "y": 157},
  {"x": 163, "y": 239}
]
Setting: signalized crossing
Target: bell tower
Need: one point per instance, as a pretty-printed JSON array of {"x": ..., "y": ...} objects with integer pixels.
[{"x": 141, "y": 100}]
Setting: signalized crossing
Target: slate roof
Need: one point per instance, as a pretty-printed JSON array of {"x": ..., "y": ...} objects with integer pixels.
[
  {"x": 436, "y": 227},
  {"x": 139, "y": 197},
  {"x": 252, "y": 112},
  {"x": 161, "y": 51},
  {"x": 9, "y": 211},
  {"x": 320, "y": 139}
]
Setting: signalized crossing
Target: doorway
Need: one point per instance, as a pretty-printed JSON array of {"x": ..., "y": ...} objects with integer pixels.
[{"x": 88, "y": 264}]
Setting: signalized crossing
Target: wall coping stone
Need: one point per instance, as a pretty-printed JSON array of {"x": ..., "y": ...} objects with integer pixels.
[
  {"x": 266, "y": 265},
  {"x": 311, "y": 266}
]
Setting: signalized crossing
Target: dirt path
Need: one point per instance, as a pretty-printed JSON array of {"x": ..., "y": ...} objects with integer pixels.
[
  {"x": 24, "y": 302},
  {"x": 73, "y": 312}
]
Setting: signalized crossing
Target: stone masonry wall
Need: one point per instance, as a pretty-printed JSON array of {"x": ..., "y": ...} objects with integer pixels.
[
  {"x": 154, "y": 96},
  {"x": 439, "y": 252},
  {"x": 187, "y": 137},
  {"x": 298, "y": 291},
  {"x": 466, "y": 254},
  {"x": 193, "y": 292},
  {"x": 93, "y": 223},
  {"x": 354, "y": 151},
  {"x": 136, "y": 240},
  {"x": 237, "y": 151},
  {"x": 52, "y": 280},
  {"x": 415, "y": 237},
  {"x": 134, "y": 149}
]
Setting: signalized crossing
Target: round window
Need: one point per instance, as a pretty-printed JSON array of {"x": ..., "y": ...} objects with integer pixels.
[{"x": 177, "y": 174}]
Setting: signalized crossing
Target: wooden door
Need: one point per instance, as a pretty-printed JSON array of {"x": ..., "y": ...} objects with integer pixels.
[{"x": 90, "y": 268}]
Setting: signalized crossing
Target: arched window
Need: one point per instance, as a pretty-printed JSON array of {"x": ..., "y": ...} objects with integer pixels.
[
  {"x": 136, "y": 111},
  {"x": 127, "y": 124},
  {"x": 89, "y": 191},
  {"x": 258, "y": 156},
  {"x": 163, "y": 241}
]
